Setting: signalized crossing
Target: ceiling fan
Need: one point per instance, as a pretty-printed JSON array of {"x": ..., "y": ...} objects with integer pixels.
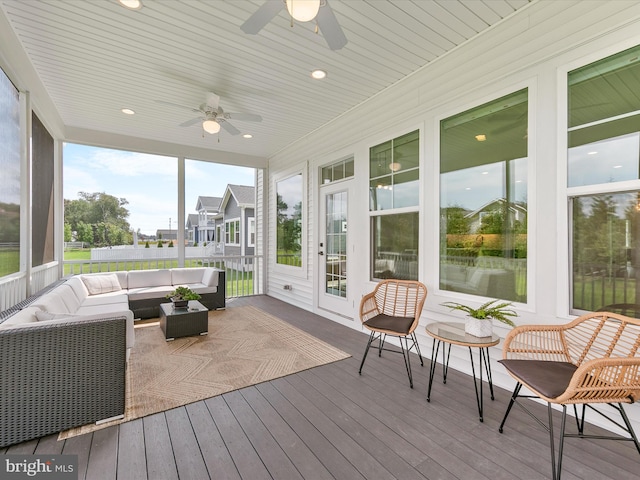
[
  {"x": 302, "y": 11},
  {"x": 212, "y": 116}
]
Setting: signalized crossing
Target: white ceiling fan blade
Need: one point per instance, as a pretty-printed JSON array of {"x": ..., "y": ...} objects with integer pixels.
[
  {"x": 212, "y": 100},
  {"x": 330, "y": 28},
  {"x": 244, "y": 117},
  {"x": 262, "y": 16},
  {"x": 177, "y": 105},
  {"x": 193, "y": 121},
  {"x": 229, "y": 128}
]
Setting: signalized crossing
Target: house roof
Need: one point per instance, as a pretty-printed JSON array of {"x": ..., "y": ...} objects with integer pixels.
[
  {"x": 244, "y": 195},
  {"x": 211, "y": 204},
  {"x": 178, "y": 51}
]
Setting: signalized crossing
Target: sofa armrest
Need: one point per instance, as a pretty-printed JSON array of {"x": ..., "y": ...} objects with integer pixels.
[{"x": 62, "y": 375}]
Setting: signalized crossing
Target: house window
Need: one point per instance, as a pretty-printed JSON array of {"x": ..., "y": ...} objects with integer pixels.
[
  {"x": 252, "y": 232},
  {"x": 337, "y": 171},
  {"x": 394, "y": 194},
  {"x": 604, "y": 182},
  {"x": 232, "y": 232},
  {"x": 483, "y": 200},
  {"x": 289, "y": 194},
  {"x": 10, "y": 178}
]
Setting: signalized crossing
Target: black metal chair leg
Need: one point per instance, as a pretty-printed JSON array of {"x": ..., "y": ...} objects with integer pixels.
[
  {"x": 514, "y": 395},
  {"x": 371, "y": 339},
  {"x": 551, "y": 442},
  {"x": 407, "y": 359},
  {"x": 561, "y": 446},
  {"x": 381, "y": 344},
  {"x": 630, "y": 430},
  {"x": 415, "y": 342}
]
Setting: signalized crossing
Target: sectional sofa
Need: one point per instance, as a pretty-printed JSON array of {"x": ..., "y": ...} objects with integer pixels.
[{"x": 64, "y": 354}]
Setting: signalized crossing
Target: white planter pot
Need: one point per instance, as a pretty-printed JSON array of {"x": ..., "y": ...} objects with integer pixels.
[{"x": 478, "y": 328}]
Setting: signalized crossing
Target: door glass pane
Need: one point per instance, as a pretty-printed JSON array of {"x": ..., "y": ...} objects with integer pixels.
[
  {"x": 336, "y": 244},
  {"x": 289, "y": 221}
]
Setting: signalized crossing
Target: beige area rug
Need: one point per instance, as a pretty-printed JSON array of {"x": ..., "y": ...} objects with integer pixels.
[{"x": 245, "y": 346}]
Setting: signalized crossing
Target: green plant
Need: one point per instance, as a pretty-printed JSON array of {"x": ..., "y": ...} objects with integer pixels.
[
  {"x": 487, "y": 311},
  {"x": 159, "y": 243},
  {"x": 170, "y": 244},
  {"x": 183, "y": 293},
  {"x": 146, "y": 245}
]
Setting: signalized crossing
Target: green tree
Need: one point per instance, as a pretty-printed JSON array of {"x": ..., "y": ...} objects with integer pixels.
[
  {"x": 457, "y": 223},
  {"x": 68, "y": 234},
  {"x": 84, "y": 232},
  {"x": 104, "y": 213}
]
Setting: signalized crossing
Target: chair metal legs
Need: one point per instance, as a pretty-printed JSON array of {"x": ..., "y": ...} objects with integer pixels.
[
  {"x": 556, "y": 460},
  {"x": 405, "y": 349}
]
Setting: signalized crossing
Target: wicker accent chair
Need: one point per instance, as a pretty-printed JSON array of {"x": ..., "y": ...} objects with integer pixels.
[
  {"x": 594, "y": 359},
  {"x": 394, "y": 308}
]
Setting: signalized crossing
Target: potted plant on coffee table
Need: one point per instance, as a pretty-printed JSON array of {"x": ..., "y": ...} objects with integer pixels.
[
  {"x": 479, "y": 322},
  {"x": 181, "y": 296}
]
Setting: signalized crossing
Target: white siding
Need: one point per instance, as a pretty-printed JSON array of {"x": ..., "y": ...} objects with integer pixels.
[{"x": 532, "y": 49}]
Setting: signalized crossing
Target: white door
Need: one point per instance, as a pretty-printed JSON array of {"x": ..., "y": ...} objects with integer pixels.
[{"x": 334, "y": 249}]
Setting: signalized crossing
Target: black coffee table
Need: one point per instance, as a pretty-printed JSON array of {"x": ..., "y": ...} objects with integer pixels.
[{"x": 184, "y": 322}]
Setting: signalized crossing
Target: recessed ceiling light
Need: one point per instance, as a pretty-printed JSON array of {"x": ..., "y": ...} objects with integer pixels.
[
  {"x": 481, "y": 137},
  {"x": 318, "y": 74},
  {"x": 485, "y": 173},
  {"x": 617, "y": 166},
  {"x": 128, "y": 111},
  {"x": 592, "y": 153},
  {"x": 131, "y": 4},
  {"x": 247, "y": 135},
  {"x": 468, "y": 188}
]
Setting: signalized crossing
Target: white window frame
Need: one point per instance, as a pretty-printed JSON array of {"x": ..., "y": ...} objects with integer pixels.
[
  {"x": 251, "y": 234},
  {"x": 227, "y": 230}
]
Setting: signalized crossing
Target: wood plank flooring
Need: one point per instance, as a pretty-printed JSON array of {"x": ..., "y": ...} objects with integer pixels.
[{"x": 329, "y": 422}]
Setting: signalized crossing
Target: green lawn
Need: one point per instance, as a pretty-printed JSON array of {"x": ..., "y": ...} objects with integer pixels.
[{"x": 9, "y": 262}]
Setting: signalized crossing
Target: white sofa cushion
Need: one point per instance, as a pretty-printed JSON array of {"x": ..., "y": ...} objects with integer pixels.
[
  {"x": 106, "y": 299},
  {"x": 51, "y": 302},
  {"x": 185, "y": 276},
  {"x": 149, "y": 278},
  {"x": 144, "y": 293},
  {"x": 68, "y": 296},
  {"x": 102, "y": 283},
  {"x": 25, "y": 316},
  {"x": 78, "y": 287},
  {"x": 210, "y": 277},
  {"x": 43, "y": 316}
]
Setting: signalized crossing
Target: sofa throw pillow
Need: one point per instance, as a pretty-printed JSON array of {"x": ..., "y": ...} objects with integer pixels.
[
  {"x": 43, "y": 316},
  {"x": 97, "y": 284}
]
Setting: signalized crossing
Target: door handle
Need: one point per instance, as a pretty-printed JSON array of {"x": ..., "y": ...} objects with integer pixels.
[{"x": 320, "y": 253}]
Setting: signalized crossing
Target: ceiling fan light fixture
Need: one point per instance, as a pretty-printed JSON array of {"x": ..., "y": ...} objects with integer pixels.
[
  {"x": 318, "y": 74},
  {"x": 303, "y": 10},
  {"x": 131, "y": 4},
  {"x": 395, "y": 166},
  {"x": 210, "y": 126}
]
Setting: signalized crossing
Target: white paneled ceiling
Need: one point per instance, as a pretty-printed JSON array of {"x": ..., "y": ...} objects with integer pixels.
[{"x": 95, "y": 57}]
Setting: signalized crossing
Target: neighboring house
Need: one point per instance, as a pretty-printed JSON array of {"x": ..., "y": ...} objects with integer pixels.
[
  {"x": 517, "y": 213},
  {"x": 226, "y": 223},
  {"x": 238, "y": 218},
  {"x": 203, "y": 228}
]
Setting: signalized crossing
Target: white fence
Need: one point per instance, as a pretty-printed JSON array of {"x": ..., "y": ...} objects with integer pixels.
[{"x": 129, "y": 252}]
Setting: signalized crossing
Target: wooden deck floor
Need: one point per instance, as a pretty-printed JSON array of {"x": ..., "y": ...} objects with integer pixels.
[{"x": 329, "y": 422}]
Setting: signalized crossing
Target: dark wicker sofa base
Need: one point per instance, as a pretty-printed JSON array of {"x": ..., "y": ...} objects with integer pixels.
[{"x": 61, "y": 376}]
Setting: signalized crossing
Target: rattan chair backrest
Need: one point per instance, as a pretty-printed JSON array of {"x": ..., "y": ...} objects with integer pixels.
[{"x": 400, "y": 298}]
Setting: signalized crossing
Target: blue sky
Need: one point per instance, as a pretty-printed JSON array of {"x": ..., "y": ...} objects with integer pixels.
[{"x": 148, "y": 182}]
